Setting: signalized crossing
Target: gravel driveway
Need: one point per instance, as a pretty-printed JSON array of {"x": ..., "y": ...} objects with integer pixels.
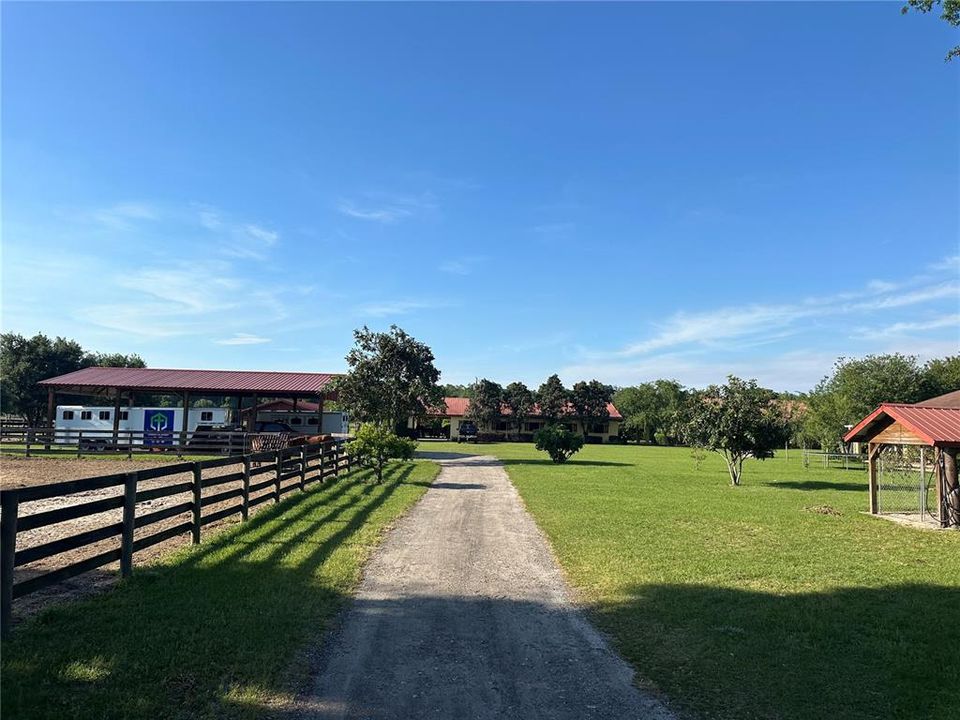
[{"x": 463, "y": 613}]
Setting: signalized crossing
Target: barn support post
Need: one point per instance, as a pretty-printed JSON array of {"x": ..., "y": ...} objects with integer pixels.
[
  {"x": 951, "y": 487},
  {"x": 184, "y": 423},
  {"x": 252, "y": 420},
  {"x": 873, "y": 450},
  {"x": 116, "y": 420},
  {"x": 320, "y": 415},
  {"x": 51, "y": 415}
]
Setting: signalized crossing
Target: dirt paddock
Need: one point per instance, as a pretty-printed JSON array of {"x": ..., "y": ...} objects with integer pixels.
[{"x": 27, "y": 472}]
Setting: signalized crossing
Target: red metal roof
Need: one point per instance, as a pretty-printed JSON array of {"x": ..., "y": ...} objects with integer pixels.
[
  {"x": 950, "y": 400},
  {"x": 457, "y": 407},
  {"x": 934, "y": 425},
  {"x": 212, "y": 381}
]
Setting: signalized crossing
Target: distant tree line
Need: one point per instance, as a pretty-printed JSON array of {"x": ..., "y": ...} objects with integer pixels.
[
  {"x": 26, "y": 361},
  {"x": 657, "y": 412},
  {"x": 586, "y": 402}
]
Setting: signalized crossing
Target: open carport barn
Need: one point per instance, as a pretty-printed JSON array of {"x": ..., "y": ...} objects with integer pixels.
[{"x": 121, "y": 386}]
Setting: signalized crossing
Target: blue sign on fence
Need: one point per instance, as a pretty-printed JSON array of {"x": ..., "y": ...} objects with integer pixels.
[{"x": 158, "y": 427}]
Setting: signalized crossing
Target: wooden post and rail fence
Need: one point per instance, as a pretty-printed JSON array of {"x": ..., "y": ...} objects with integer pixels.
[
  {"x": 27, "y": 442},
  {"x": 265, "y": 476}
]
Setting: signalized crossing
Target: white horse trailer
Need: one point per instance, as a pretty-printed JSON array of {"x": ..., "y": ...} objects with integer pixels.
[
  {"x": 305, "y": 423},
  {"x": 149, "y": 426}
]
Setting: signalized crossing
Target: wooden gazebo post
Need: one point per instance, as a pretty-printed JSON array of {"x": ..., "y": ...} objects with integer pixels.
[
  {"x": 951, "y": 488},
  {"x": 873, "y": 450}
]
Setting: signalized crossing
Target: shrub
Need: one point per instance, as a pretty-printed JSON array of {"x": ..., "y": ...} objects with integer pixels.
[
  {"x": 374, "y": 445},
  {"x": 660, "y": 437},
  {"x": 558, "y": 442}
]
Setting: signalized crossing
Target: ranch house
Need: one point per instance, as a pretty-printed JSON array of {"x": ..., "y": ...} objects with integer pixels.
[{"x": 455, "y": 410}]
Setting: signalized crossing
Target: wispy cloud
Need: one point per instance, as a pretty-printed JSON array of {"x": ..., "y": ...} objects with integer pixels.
[
  {"x": 387, "y": 209},
  {"x": 124, "y": 216},
  {"x": 703, "y": 347},
  {"x": 901, "y": 329},
  {"x": 243, "y": 339},
  {"x": 386, "y": 308},
  {"x": 554, "y": 229},
  {"x": 267, "y": 237},
  {"x": 744, "y": 322},
  {"x": 239, "y": 239},
  {"x": 385, "y": 215},
  {"x": 460, "y": 266}
]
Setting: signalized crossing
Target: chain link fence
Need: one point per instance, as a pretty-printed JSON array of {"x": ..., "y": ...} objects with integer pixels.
[{"x": 907, "y": 483}]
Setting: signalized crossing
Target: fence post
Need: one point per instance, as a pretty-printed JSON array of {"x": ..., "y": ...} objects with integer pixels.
[
  {"x": 336, "y": 459},
  {"x": 323, "y": 457},
  {"x": 129, "y": 514},
  {"x": 303, "y": 469},
  {"x": 28, "y": 437},
  {"x": 245, "y": 507},
  {"x": 279, "y": 473},
  {"x": 197, "y": 488},
  {"x": 9, "y": 506},
  {"x": 129, "y": 445}
]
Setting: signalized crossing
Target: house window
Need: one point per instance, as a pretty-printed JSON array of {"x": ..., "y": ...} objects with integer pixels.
[
  {"x": 68, "y": 414},
  {"x": 124, "y": 414},
  {"x": 104, "y": 414},
  {"x": 86, "y": 415},
  {"x": 206, "y": 416},
  {"x": 600, "y": 428},
  {"x": 311, "y": 421},
  {"x": 503, "y": 425},
  {"x": 534, "y": 426},
  {"x": 296, "y": 421}
]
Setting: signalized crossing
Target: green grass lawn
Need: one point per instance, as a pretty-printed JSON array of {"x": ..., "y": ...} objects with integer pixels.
[
  {"x": 219, "y": 629},
  {"x": 745, "y": 602}
]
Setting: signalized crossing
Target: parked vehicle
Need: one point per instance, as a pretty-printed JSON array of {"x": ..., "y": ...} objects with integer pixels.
[
  {"x": 307, "y": 423},
  {"x": 93, "y": 425},
  {"x": 467, "y": 432},
  {"x": 223, "y": 437},
  {"x": 273, "y": 427}
]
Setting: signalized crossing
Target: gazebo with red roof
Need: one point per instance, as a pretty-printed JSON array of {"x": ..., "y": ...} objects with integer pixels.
[{"x": 927, "y": 424}]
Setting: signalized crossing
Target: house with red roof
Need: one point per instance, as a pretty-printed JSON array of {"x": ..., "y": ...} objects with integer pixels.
[{"x": 455, "y": 409}]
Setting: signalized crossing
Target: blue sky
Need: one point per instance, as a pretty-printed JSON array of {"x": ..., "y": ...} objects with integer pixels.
[{"x": 625, "y": 191}]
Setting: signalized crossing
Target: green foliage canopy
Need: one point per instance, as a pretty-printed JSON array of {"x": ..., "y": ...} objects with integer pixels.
[
  {"x": 649, "y": 410},
  {"x": 519, "y": 400},
  {"x": 375, "y": 445},
  {"x": 391, "y": 378},
  {"x": 553, "y": 399},
  {"x": 737, "y": 420},
  {"x": 486, "y": 403},
  {"x": 558, "y": 442},
  {"x": 950, "y": 14},
  {"x": 589, "y": 402},
  {"x": 858, "y": 386}
]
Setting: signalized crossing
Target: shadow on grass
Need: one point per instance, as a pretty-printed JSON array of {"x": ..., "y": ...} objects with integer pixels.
[
  {"x": 172, "y": 640},
  {"x": 818, "y": 485},
  {"x": 879, "y": 652},
  {"x": 571, "y": 462}
]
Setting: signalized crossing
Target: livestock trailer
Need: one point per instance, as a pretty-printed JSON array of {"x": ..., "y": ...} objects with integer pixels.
[{"x": 138, "y": 425}]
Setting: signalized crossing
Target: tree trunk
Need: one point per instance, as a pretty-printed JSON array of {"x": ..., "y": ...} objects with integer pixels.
[{"x": 735, "y": 466}]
